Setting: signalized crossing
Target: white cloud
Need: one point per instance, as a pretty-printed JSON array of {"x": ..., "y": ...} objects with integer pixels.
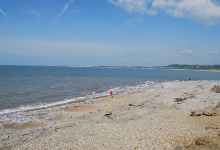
[
  {"x": 140, "y": 6},
  {"x": 203, "y": 10},
  {"x": 126, "y": 23},
  {"x": 76, "y": 11},
  {"x": 3, "y": 13},
  {"x": 27, "y": 24},
  {"x": 186, "y": 51},
  {"x": 65, "y": 7},
  {"x": 32, "y": 11}
]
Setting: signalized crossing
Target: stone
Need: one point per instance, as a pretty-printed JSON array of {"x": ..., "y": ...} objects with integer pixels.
[
  {"x": 216, "y": 88},
  {"x": 218, "y": 105},
  {"x": 200, "y": 141},
  {"x": 179, "y": 147},
  {"x": 209, "y": 112},
  {"x": 196, "y": 113}
]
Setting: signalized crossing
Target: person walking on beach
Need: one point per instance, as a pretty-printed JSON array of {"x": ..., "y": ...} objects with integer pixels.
[{"x": 111, "y": 94}]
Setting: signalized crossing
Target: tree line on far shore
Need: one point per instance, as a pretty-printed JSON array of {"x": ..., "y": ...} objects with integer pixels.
[{"x": 193, "y": 67}]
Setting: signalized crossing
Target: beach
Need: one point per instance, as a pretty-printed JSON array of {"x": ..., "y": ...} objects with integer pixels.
[{"x": 154, "y": 117}]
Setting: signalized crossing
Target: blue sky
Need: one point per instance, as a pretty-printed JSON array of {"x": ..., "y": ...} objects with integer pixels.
[{"x": 109, "y": 32}]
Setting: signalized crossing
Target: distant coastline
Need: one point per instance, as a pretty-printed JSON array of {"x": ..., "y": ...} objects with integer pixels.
[
  {"x": 210, "y": 68},
  {"x": 190, "y": 69}
]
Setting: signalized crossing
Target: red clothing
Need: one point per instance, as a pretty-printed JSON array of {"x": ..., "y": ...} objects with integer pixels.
[{"x": 110, "y": 92}]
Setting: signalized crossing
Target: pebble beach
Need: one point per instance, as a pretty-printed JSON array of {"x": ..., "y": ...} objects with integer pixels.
[{"x": 145, "y": 119}]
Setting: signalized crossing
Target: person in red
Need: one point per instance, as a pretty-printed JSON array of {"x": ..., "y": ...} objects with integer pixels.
[{"x": 111, "y": 94}]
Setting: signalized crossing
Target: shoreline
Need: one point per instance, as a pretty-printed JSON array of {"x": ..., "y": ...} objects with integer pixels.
[
  {"x": 146, "y": 118},
  {"x": 191, "y": 70},
  {"x": 89, "y": 97}
]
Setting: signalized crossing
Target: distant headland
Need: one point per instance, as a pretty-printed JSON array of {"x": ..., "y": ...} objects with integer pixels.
[
  {"x": 173, "y": 66},
  {"x": 191, "y": 67}
]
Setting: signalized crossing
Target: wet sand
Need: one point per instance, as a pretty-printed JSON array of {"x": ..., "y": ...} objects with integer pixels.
[{"x": 147, "y": 118}]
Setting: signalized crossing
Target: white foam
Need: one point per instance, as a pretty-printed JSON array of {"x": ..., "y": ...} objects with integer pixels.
[{"x": 30, "y": 107}]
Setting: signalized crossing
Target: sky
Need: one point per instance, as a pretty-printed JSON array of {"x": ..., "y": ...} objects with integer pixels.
[{"x": 109, "y": 32}]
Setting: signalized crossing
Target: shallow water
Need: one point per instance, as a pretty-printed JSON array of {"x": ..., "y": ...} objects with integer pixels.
[{"x": 24, "y": 87}]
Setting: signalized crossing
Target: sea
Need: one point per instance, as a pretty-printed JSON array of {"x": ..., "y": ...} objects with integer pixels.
[{"x": 28, "y": 87}]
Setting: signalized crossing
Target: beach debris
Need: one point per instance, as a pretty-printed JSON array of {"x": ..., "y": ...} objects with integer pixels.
[
  {"x": 185, "y": 96},
  {"x": 180, "y": 99},
  {"x": 191, "y": 95},
  {"x": 216, "y": 88},
  {"x": 108, "y": 114},
  {"x": 218, "y": 105},
  {"x": 209, "y": 111},
  {"x": 140, "y": 105}
]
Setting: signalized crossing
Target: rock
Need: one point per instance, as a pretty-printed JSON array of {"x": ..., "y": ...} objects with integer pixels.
[
  {"x": 216, "y": 88},
  {"x": 209, "y": 112},
  {"x": 206, "y": 143},
  {"x": 196, "y": 113},
  {"x": 218, "y": 105},
  {"x": 200, "y": 141},
  {"x": 179, "y": 147}
]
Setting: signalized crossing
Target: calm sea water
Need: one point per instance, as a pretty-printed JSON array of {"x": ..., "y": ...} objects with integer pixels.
[{"x": 24, "y": 86}]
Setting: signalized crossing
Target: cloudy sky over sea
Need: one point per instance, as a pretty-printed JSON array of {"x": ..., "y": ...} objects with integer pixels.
[{"x": 109, "y": 32}]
